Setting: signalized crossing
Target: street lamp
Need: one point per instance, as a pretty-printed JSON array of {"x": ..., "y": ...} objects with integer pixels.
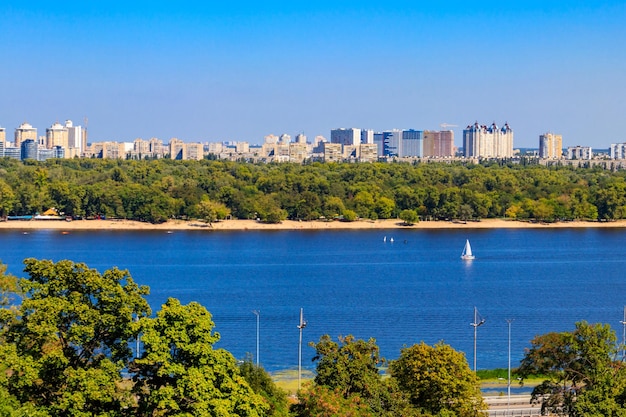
[
  {"x": 476, "y": 323},
  {"x": 508, "y": 406},
  {"x": 624, "y": 335},
  {"x": 301, "y": 326},
  {"x": 258, "y": 315}
]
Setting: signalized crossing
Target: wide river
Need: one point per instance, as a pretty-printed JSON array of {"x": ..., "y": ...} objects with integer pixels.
[{"x": 413, "y": 289}]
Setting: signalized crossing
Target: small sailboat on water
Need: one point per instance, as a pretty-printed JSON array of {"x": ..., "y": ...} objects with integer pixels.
[{"x": 467, "y": 252}]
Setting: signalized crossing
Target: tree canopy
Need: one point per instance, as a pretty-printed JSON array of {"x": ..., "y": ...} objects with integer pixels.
[
  {"x": 157, "y": 190},
  {"x": 584, "y": 374},
  {"x": 424, "y": 381},
  {"x": 66, "y": 351}
]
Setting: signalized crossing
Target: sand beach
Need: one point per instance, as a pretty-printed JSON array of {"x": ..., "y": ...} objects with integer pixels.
[{"x": 172, "y": 225}]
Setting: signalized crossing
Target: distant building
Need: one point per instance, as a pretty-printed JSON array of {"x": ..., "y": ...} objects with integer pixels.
[
  {"x": 24, "y": 132},
  {"x": 57, "y": 135},
  {"x": 333, "y": 152},
  {"x": 579, "y": 152},
  {"x": 367, "y": 136},
  {"x": 29, "y": 150},
  {"x": 346, "y": 137},
  {"x": 439, "y": 144},
  {"x": 550, "y": 146},
  {"x": 617, "y": 151},
  {"x": 298, "y": 151},
  {"x": 481, "y": 141},
  {"x": 301, "y": 138},
  {"x": 76, "y": 139},
  {"x": 389, "y": 143},
  {"x": 412, "y": 143},
  {"x": 177, "y": 149},
  {"x": 368, "y": 152},
  {"x": 3, "y": 135}
]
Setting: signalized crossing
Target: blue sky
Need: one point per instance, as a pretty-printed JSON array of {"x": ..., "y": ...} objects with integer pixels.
[{"x": 241, "y": 70}]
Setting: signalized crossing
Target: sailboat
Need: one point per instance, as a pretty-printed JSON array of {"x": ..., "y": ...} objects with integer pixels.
[{"x": 467, "y": 252}]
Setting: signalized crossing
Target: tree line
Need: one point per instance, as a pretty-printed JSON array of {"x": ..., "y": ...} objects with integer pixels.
[
  {"x": 158, "y": 190},
  {"x": 68, "y": 337}
]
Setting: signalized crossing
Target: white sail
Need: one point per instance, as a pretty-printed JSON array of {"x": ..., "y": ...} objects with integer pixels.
[{"x": 467, "y": 251}]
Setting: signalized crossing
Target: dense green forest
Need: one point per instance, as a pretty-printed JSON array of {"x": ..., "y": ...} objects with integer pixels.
[{"x": 158, "y": 190}]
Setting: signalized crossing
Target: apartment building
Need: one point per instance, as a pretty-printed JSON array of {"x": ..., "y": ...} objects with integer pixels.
[
  {"x": 550, "y": 146},
  {"x": 482, "y": 141}
]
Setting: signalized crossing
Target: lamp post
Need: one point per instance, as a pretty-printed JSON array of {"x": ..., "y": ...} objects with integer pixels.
[
  {"x": 258, "y": 316},
  {"x": 301, "y": 326},
  {"x": 624, "y": 335},
  {"x": 476, "y": 323},
  {"x": 508, "y": 404}
]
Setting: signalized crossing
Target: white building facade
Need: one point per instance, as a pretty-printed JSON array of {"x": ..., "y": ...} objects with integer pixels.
[{"x": 482, "y": 141}]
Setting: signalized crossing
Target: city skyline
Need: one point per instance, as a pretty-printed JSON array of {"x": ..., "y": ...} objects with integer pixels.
[{"x": 239, "y": 72}]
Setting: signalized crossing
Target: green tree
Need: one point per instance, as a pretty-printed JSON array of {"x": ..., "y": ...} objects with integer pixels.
[
  {"x": 66, "y": 353},
  {"x": 409, "y": 217},
  {"x": 211, "y": 211},
  {"x": 181, "y": 374},
  {"x": 579, "y": 365},
  {"x": 438, "y": 380},
  {"x": 261, "y": 383}
]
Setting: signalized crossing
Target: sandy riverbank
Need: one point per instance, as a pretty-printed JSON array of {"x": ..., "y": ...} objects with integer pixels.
[{"x": 290, "y": 225}]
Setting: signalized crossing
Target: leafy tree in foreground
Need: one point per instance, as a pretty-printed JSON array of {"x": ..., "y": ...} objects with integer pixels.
[
  {"x": 584, "y": 377},
  {"x": 66, "y": 350},
  {"x": 261, "y": 383},
  {"x": 348, "y": 383},
  {"x": 179, "y": 372},
  {"x": 438, "y": 380}
]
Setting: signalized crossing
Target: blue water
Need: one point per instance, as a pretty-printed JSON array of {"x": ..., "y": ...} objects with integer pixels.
[{"x": 352, "y": 282}]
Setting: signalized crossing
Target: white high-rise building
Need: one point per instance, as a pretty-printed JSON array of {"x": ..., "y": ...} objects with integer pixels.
[
  {"x": 617, "y": 151},
  {"x": 76, "y": 139},
  {"x": 488, "y": 141}
]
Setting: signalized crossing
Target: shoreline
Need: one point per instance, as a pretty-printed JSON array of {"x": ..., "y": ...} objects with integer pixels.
[{"x": 238, "y": 225}]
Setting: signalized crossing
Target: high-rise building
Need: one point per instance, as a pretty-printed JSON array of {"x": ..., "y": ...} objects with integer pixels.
[
  {"x": 550, "y": 146},
  {"x": 389, "y": 143},
  {"x": 346, "y": 137},
  {"x": 24, "y": 132},
  {"x": 367, "y": 136},
  {"x": 29, "y": 149},
  {"x": 438, "y": 144},
  {"x": 412, "y": 143},
  {"x": 177, "y": 149},
  {"x": 3, "y": 135},
  {"x": 57, "y": 135},
  {"x": 75, "y": 138},
  {"x": 617, "y": 151},
  {"x": 488, "y": 141}
]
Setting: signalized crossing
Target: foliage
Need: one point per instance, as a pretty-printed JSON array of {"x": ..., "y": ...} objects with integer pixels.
[
  {"x": 583, "y": 373},
  {"x": 157, "y": 190},
  {"x": 438, "y": 379},
  {"x": 261, "y": 383},
  {"x": 66, "y": 352},
  {"x": 409, "y": 217},
  {"x": 348, "y": 382},
  {"x": 181, "y": 374}
]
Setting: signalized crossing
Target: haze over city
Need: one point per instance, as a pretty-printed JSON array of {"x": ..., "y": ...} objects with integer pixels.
[{"x": 205, "y": 71}]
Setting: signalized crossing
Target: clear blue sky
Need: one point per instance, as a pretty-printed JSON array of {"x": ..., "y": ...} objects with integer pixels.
[{"x": 213, "y": 71}]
